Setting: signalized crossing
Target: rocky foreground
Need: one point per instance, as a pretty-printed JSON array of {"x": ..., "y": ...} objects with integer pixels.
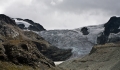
[{"x": 101, "y": 57}]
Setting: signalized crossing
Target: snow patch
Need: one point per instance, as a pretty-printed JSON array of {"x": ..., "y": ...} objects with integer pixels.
[
  {"x": 22, "y": 22},
  {"x": 58, "y": 62}
]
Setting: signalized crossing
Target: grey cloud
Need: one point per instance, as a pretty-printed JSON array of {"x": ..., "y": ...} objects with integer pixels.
[
  {"x": 68, "y": 5},
  {"x": 66, "y": 13},
  {"x": 3, "y": 1},
  {"x": 84, "y": 5}
]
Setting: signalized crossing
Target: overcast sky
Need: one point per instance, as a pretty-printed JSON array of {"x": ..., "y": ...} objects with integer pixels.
[{"x": 62, "y": 14}]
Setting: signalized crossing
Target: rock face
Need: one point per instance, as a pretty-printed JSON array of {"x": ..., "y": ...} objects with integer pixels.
[
  {"x": 112, "y": 26},
  {"x": 19, "y": 47},
  {"x": 28, "y": 24},
  {"x": 101, "y": 57},
  {"x": 7, "y": 19}
]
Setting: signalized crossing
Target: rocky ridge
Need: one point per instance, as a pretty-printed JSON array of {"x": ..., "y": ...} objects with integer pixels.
[{"x": 18, "y": 47}]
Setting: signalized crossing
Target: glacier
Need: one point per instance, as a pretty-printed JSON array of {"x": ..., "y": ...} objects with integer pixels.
[{"x": 74, "y": 39}]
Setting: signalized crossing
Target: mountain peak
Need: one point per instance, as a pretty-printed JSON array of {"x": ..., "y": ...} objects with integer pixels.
[
  {"x": 113, "y": 19},
  {"x": 7, "y": 19},
  {"x": 112, "y": 26}
]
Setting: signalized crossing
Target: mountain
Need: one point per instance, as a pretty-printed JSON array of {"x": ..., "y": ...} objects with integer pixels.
[
  {"x": 28, "y": 24},
  {"x": 99, "y": 44},
  {"x": 26, "y": 50},
  {"x": 21, "y": 48}
]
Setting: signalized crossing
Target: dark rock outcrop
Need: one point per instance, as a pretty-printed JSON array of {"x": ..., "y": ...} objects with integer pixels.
[
  {"x": 84, "y": 30},
  {"x": 22, "y": 26},
  {"x": 112, "y": 26},
  {"x": 7, "y": 19}
]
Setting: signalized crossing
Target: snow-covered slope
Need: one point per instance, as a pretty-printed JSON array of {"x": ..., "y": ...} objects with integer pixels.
[
  {"x": 74, "y": 39},
  {"x": 27, "y": 24},
  {"x": 22, "y": 22}
]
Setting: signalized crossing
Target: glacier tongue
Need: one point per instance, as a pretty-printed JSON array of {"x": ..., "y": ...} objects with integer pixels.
[{"x": 73, "y": 39}]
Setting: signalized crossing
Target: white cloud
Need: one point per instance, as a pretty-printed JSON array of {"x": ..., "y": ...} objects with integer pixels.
[
  {"x": 60, "y": 0},
  {"x": 53, "y": 3},
  {"x": 24, "y": 2},
  {"x": 1, "y": 10},
  {"x": 68, "y": 20}
]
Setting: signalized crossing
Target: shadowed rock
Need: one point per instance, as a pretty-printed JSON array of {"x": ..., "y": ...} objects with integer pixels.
[
  {"x": 7, "y": 19},
  {"x": 112, "y": 26}
]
